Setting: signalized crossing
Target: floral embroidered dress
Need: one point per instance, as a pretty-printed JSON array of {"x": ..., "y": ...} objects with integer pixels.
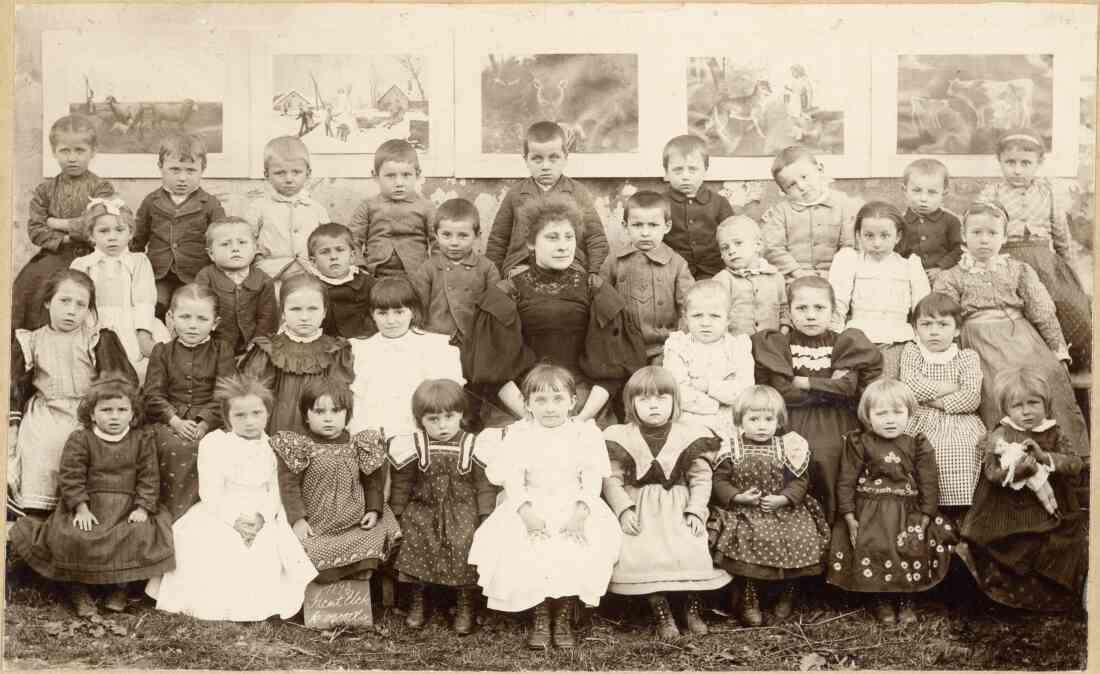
[
  {"x": 1019, "y": 554},
  {"x": 827, "y": 410},
  {"x": 889, "y": 484},
  {"x": 875, "y": 296},
  {"x": 786, "y": 543},
  {"x": 1009, "y": 319},
  {"x": 955, "y": 430},
  {"x": 439, "y": 493},
  {"x": 724, "y": 368},
  {"x": 326, "y": 486},
  {"x": 664, "y": 473}
]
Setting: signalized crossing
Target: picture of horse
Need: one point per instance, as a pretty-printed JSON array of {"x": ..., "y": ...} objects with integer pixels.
[
  {"x": 593, "y": 97},
  {"x": 744, "y": 107},
  {"x": 961, "y": 103}
]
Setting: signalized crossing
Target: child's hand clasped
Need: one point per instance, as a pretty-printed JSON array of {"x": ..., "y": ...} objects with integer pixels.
[
  {"x": 773, "y": 502},
  {"x": 695, "y": 523},
  {"x": 139, "y": 515},
  {"x": 369, "y": 521},
  {"x": 749, "y": 497},
  {"x": 191, "y": 431},
  {"x": 84, "y": 519}
]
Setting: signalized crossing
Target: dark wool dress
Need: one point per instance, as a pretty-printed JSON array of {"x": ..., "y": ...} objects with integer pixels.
[
  {"x": 113, "y": 478},
  {"x": 439, "y": 493},
  {"x": 1019, "y": 554},
  {"x": 828, "y": 409}
]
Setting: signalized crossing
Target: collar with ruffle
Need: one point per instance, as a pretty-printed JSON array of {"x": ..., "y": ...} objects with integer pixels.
[
  {"x": 301, "y": 340},
  {"x": 1045, "y": 424},
  {"x": 945, "y": 356},
  {"x": 968, "y": 263}
]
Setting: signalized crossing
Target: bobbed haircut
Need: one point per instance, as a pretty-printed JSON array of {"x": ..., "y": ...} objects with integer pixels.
[
  {"x": 1011, "y": 385},
  {"x": 438, "y": 396},
  {"x": 1022, "y": 139},
  {"x": 54, "y": 281},
  {"x": 685, "y": 146},
  {"x": 925, "y": 166},
  {"x": 788, "y": 156},
  {"x": 993, "y": 209},
  {"x": 458, "y": 210},
  {"x": 396, "y": 292},
  {"x": 646, "y": 199},
  {"x": 883, "y": 391},
  {"x": 760, "y": 398},
  {"x": 226, "y": 222},
  {"x": 547, "y": 377},
  {"x": 73, "y": 125},
  {"x": 650, "y": 381},
  {"x": 338, "y": 392},
  {"x": 813, "y": 282},
  {"x": 182, "y": 147},
  {"x": 98, "y": 209},
  {"x": 396, "y": 149},
  {"x": 228, "y": 389},
  {"x": 196, "y": 293},
  {"x": 286, "y": 148},
  {"x": 554, "y": 207},
  {"x": 329, "y": 230},
  {"x": 936, "y": 305},
  {"x": 543, "y": 132},
  {"x": 299, "y": 282},
  {"x": 107, "y": 386},
  {"x": 881, "y": 209}
]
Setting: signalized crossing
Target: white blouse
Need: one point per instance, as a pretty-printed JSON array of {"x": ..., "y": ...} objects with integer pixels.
[{"x": 876, "y": 296}]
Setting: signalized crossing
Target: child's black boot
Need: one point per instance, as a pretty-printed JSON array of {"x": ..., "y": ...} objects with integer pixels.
[
  {"x": 465, "y": 611},
  {"x": 539, "y": 636},
  {"x": 666, "y": 624},
  {"x": 785, "y": 604},
  {"x": 563, "y": 623},
  {"x": 83, "y": 603},
  {"x": 750, "y": 606},
  {"x": 692, "y": 618},
  {"x": 417, "y": 607}
]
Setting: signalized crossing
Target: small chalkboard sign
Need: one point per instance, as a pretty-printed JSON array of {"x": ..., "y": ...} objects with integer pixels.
[{"x": 345, "y": 602}]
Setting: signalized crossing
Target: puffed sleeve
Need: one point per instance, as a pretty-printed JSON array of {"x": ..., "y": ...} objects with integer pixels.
[
  {"x": 723, "y": 490},
  {"x": 853, "y": 352},
  {"x": 292, "y": 452},
  {"x": 506, "y": 469},
  {"x": 613, "y": 347},
  {"x": 143, "y": 293},
  {"x": 371, "y": 454},
  {"x": 158, "y": 408},
  {"x": 621, "y": 469},
  {"x": 147, "y": 489},
  {"x": 949, "y": 282},
  {"x": 918, "y": 281},
  {"x": 928, "y": 474},
  {"x": 851, "y": 465},
  {"x": 1039, "y": 309},
  {"x": 912, "y": 375},
  {"x": 495, "y": 352},
  {"x": 969, "y": 396},
  {"x": 700, "y": 475},
  {"x": 109, "y": 356},
  {"x": 842, "y": 275},
  {"x": 677, "y": 362},
  {"x": 726, "y": 388},
  {"x": 594, "y": 465},
  {"x": 771, "y": 351},
  {"x": 72, "y": 472},
  {"x": 485, "y": 445}
]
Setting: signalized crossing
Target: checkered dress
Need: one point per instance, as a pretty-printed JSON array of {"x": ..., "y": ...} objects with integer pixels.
[{"x": 954, "y": 431}]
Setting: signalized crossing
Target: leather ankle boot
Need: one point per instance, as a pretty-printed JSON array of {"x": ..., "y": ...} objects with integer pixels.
[
  {"x": 465, "y": 611},
  {"x": 666, "y": 624},
  {"x": 750, "y": 606},
  {"x": 785, "y": 605},
  {"x": 539, "y": 636},
  {"x": 563, "y": 623},
  {"x": 417, "y": 607},
  {"x": 692, "y": 618}
]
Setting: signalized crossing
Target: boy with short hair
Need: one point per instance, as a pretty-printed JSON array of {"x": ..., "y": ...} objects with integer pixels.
[
  {"x": 247, "y": 307},
  {"x": 545, "y": 154},
  {"x": 758, "y": 293},
  {"x": 695, "y": 209},
  {"x": 650, "y": 276},
  {"x": 394, "y": 228},
  {"x": 803, "y": 232},
  {"x": 453, "y": 279},
  {"x": 932, "y": 232},
  {"x": 172, "y": 220},
  {"x": 347, "y": 287},
  {"x": 283, "y": 218}
]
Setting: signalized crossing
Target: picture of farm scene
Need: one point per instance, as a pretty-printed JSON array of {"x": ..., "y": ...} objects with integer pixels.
[
  {"x": 594, "y": 97},
  {"x": 350, "y": 103},
  {"x": 751, "y": 107},
  {"x": 960, "y": 103},
  {"x": 135, "y": 126}
]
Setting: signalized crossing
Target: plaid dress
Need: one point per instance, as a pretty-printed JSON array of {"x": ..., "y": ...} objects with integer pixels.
[{"x": 954, "y": 431}]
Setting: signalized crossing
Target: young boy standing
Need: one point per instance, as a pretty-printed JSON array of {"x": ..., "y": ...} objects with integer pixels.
[
  {"x": 803, "y": 232},
  {"x": 695, "y": 209},
  {"x": 170, "y": 225},
  {"x": 933, "y": 233},
  {"x": 546, "y": 157},
  {"x": 347, "y": 287},
  {"x": 650, "y": 276},
  {"x": 757, "y": 290},
  {"x": 284, "y": 217},
  {"x": 395, "y": 227}
]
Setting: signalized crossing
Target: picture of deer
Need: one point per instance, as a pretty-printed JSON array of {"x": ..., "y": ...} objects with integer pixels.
[{"x": 996, "y": 103}]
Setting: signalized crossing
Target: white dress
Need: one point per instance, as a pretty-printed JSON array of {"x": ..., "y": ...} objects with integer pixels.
[
  {"x": 125, "y": 297},
  {"x": 727, "y": 367},
  {"x": 552, "y": 468},
  {"x": 218, "y": 577},
  {"x": 387, "y": 371}
]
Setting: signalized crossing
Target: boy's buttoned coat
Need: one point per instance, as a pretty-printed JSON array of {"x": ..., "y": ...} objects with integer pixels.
[
  {"x": 654, "y": 284},
  {"x": 175, "y": 234}
]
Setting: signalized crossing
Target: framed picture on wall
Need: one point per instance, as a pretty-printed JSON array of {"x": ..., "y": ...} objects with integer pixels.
[
  {"x": 587, "y": 73},
  {"x": 344, "y": 96},
  {"x": 195, "y": 82},
  {"x": 954, "y": 103}
]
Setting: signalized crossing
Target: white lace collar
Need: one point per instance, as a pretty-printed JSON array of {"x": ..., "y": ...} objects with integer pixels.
[
  {"x": 301, "y": 340},
  {"x": 945, "y": 356}
]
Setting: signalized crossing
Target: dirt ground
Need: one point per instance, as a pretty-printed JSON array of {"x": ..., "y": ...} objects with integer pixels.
[{"x": 827, "y": 631}]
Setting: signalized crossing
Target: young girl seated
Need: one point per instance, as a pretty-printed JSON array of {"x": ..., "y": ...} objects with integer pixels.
[
  {"x": 179, "y": 393},
  {"x": 51, "y": 368},
  {"x": 107, "y": 530},
  {"x": 440, "y": 495},
  {"x": 551, "y": 536},
  {"x": 236, "y": 555},
  {"x": 947, "y": 382},
  {"x": 1020, "y": 550},
  {"x": 125, "y": 291},
  {"x": 875, "y": 287},
  {"x": 711, "y": 366},
  {"x": 661, "y": 472},
  {"x": 820, "y": 375},
  {"x": 331, "y": 485},
  {"x": 768, "y": 528},
  {"x": 1009, "y": 319},
  {"x": 889, "y": 539}
]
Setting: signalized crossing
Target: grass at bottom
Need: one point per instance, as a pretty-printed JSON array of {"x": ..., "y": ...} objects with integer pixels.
[{"x": 828, "y": 630}]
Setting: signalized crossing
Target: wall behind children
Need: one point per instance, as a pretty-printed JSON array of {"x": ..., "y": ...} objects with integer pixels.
[{"x": 341, "y": 195}]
